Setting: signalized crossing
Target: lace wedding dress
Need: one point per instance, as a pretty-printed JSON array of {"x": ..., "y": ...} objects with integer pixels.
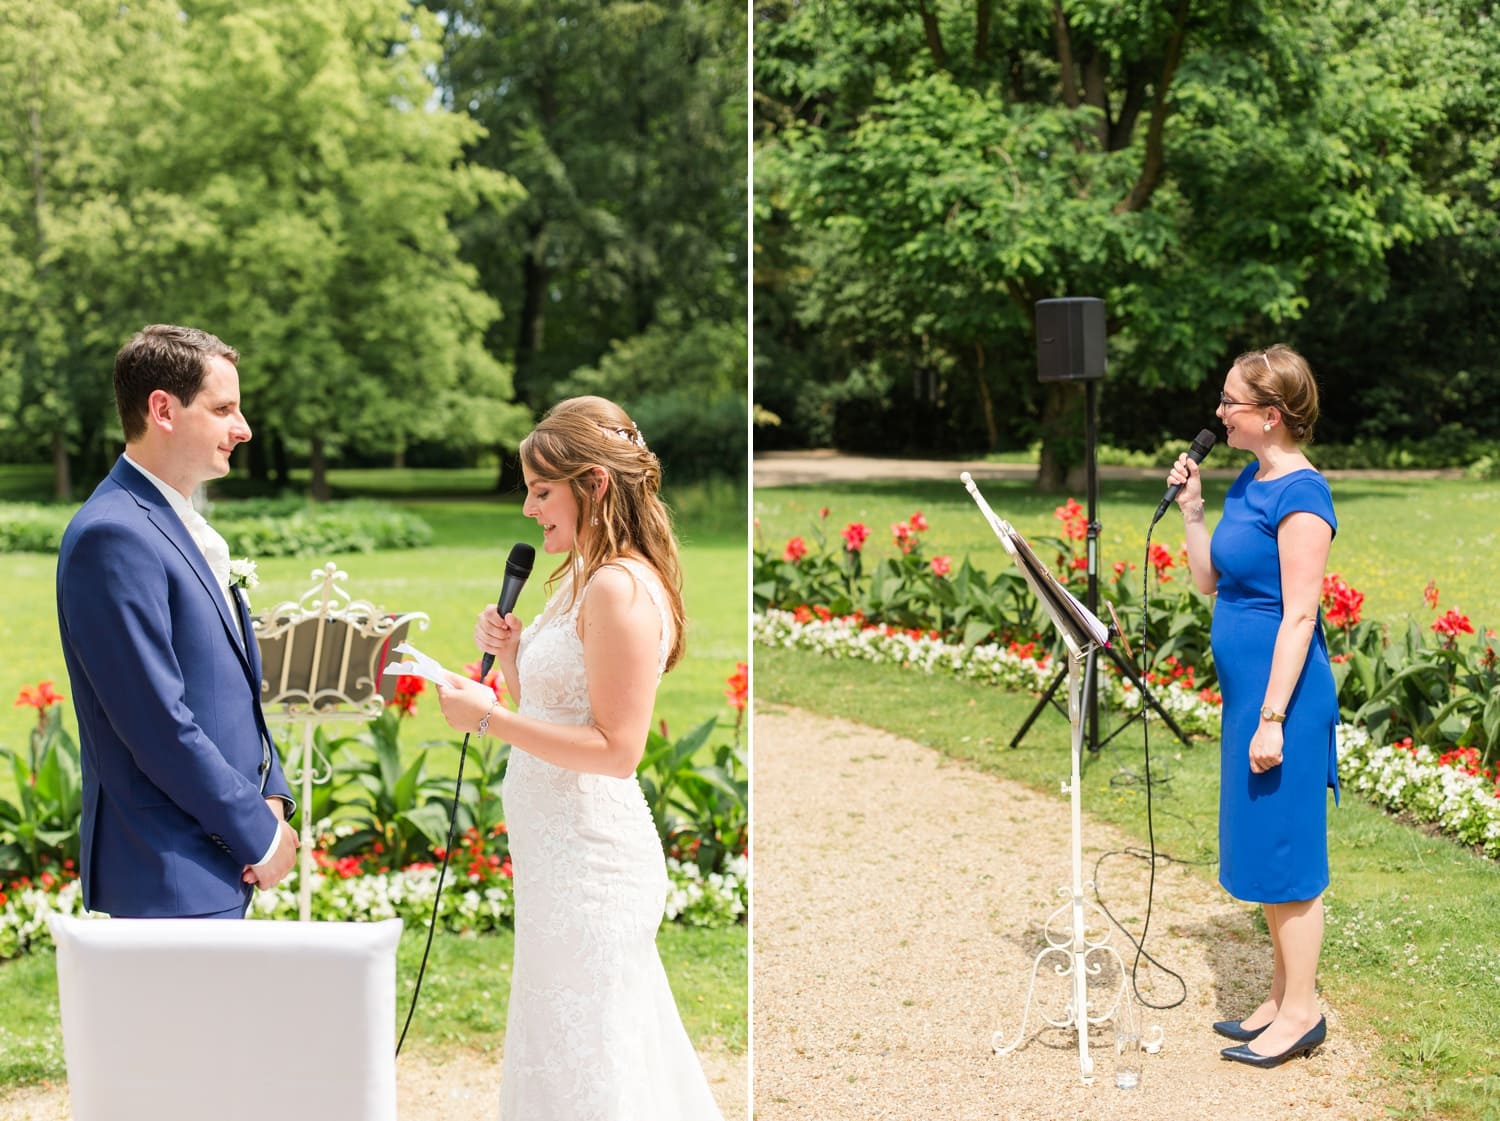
[{"x": 592, "y": 1032}]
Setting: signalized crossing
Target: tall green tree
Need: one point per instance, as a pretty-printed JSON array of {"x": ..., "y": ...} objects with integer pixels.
[
  {"x": 625, "y": 122},
  {"x": 283, "y": 175},
  {"x": 933, "y": 170}
]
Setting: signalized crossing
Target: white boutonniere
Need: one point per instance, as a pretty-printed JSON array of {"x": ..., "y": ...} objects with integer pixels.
[{"x": 242, "y": 574}]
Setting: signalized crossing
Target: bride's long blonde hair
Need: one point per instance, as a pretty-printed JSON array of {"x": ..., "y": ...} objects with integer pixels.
[{"x": 575, "y": 437}]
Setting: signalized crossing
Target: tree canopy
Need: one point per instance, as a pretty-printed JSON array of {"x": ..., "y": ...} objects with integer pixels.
[{"x": 926, "y": 172}]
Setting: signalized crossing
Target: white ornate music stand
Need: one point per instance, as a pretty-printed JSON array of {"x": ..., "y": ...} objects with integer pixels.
[
  {"x": 1067, "y": 931},
  {"x": 321, "y": 658}
]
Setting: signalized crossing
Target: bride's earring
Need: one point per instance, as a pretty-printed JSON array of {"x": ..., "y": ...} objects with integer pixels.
[{"x": 1266, "y": 427}]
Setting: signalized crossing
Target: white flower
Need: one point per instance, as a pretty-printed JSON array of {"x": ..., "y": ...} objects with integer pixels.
[{"x": 242, "y": 574}]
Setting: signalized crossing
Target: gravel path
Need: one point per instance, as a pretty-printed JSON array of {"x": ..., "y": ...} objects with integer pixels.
[
  {"x": 462, "y": 1086},
  {"x": 898, "y": 904}
]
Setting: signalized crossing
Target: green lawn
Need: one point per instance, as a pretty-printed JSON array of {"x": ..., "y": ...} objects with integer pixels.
[{"x": 1413, "y": 931}]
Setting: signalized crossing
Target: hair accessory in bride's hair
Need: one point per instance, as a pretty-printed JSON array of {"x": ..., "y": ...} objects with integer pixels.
[{"x": 633, "y": 434}]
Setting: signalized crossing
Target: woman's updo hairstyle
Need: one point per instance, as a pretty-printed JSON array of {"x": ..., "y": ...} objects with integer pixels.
[
  {"x": 1280, "y": 378},
  {"x": 629, "y": 518}
]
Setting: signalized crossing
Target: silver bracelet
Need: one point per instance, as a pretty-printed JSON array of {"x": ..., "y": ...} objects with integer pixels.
[{"x": 484, "y": 723}]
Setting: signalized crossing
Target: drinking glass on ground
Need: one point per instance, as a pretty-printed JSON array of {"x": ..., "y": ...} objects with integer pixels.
[{"x": 1127, "y": 1025}]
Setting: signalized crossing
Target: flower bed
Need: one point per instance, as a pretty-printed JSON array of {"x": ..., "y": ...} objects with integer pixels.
[
  {"x": 473, "y": 900},
  {"x": 1013, "y": 665},
  {"x": 1448, "y": 788}
]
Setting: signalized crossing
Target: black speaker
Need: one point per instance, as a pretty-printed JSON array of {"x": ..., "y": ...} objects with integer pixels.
[{"x": 1070, "y": 339}]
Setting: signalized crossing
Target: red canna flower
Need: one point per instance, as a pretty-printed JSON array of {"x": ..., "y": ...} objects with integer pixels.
[
  {"x": 492, "y": 679},
  {"x": 1452, "y": 624},
  {"x": 941, "y": 566},
  {"x": 739, "y": 686},
  {"x": 902, "y": 534},
  {"x": 1075, "y": 521},
  {"x": 1161, "y": 560},
  {"x": 408, "y": 688},
  {"x": 1430, "y": 594},
  {"x": 40, "y": 697},
  {"x": 918, "y": 522},
  {"x": 1341, "y": 603},
  {"x": 796, "y": 549},
  {"x": 855, "y": 535}
]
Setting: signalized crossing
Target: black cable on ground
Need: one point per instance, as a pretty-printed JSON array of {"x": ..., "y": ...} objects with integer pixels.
[{"x": 437, "y": 899}]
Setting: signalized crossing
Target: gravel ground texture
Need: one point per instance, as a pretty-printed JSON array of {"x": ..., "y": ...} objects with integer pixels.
[
  {"x": 899, "y": 905},
  {"x": 461, "y": 1086}
]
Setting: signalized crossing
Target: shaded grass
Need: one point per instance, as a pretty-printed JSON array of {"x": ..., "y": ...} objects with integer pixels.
[
  {"x": 1413, "y": 920},
  {"x": 1395, "y": 533},
  {"x": 464, "y": 995}
]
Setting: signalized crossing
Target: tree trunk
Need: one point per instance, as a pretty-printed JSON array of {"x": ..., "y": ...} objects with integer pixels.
[
  {"x": 983, "y": 12},
  {"x": 1062, "y": 435},
  {"x": 986, "y": 404},
  {"x": 318, "y": 470},
  {"x": 398, "y": 457},
  {"x": 532, "y": 319},
  {"x": 279, "y": 463},
  {"x": 62, "y": 472}
]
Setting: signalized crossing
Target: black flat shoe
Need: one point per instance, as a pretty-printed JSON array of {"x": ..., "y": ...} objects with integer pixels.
[
  {"x": 1315, "y": 1035},
  {"x": 1232, "y": 1029}
]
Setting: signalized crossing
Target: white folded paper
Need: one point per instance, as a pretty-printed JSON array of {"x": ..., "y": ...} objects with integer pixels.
[{"x": 419, "y": 666}]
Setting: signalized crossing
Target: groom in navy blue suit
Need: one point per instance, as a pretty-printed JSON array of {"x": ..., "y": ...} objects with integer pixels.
[{"x": 184, "y": 800}]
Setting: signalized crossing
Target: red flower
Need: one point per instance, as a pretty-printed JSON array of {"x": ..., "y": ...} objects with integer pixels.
[
  {"x": 796, "y": 549},
  {"x": 41, "y": 697},
  {"x": 739, "y": 686},
  {"x": 1452, "y": 624},
  {"x": 941, "y": 566},
  {"x": 1079, "y": 564},
  {"x": 408, "y": 688},
  {"x": 1161, "y": 560},
  {"x": 1075, "y": 522},
  {"x": 823, "y": 512},
  {"x": 1430, "y": 594},
  {"x": 1341, "y": 603},
  {"x": 902, "y": 533},
  {"x": 802, "y": 614},
  {"x": 855, "y": 534},
  {"x": 918, "y": 522},
  {"x": 492, "y": 679},
  {"x": 822, "y": 613}
]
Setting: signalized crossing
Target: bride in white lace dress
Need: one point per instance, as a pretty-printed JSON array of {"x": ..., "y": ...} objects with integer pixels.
[{"x": 592, "y": 1032}]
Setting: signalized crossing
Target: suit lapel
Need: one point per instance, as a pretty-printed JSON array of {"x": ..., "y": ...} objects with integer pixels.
[{"x": 161, "y": 515}]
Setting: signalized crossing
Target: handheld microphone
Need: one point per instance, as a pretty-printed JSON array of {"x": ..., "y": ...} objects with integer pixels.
[
  {"x": 517, "y": 570},
  {"x": 1202, "y": 445}
]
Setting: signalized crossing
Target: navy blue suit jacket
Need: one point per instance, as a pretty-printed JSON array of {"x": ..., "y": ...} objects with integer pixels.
[{"x": 177, "y": 760}]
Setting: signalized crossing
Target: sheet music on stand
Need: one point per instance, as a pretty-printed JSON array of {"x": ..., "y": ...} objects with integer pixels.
[{"x": 1077, "y": 623}]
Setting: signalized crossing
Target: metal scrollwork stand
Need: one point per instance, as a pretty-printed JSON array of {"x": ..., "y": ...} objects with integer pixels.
[
  {"x": 321, "y": 658},
  {"x": 1081, "y": 952}
]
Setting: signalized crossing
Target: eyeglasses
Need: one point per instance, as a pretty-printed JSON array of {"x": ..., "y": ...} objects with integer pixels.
[{"x": 1226, "y": 401}]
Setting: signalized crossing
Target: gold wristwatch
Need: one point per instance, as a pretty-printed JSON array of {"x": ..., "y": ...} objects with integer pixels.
[{"x": 1269, "y": 713}]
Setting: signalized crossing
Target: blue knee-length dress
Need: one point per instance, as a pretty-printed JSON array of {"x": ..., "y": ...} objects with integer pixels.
[{"x": 1273, "y": 827}]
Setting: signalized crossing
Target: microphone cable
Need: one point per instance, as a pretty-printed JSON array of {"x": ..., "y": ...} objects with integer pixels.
[
  {"x": 1151, "y": 857},
  {"x": 437, "y": 899}
]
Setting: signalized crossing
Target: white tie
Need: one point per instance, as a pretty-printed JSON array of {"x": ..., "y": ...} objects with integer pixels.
[{"x": 215, "y": 548}]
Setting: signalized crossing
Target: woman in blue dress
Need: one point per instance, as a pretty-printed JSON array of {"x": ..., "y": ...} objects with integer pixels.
[{"x": 1265, "y": 561}]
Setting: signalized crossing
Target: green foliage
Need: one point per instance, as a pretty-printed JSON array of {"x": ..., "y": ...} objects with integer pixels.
[
  {"x": 288, "y": 527},
  {"x": 284, "y": 176},
  {"x": 293, "y": 528},
  {"x": 28, "y": 528},
  {"x": 701, "y": 807},
  {"x": 685, "y": 388},
  {"x": 39, "y": 831},
  {"x": 923, "y": 177},
  {"x": 389, "y": 802}
]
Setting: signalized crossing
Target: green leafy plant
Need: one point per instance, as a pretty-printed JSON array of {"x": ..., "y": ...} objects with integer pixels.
[
  {"x": 700, "y": 807},
  {"x": 40, "y": 829}
]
